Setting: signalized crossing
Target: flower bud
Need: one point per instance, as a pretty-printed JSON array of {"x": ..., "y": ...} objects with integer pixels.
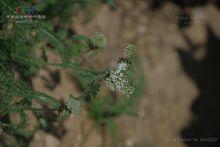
[{"x": 98, "y": 41}]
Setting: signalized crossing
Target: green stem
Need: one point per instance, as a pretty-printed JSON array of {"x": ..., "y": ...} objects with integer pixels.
[
  {"x": 41, "y": 109},
  {"x": 43, "y": 64}
]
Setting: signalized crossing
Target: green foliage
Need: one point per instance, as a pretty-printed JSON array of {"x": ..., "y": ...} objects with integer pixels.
[{"x": 20, "y": 46}]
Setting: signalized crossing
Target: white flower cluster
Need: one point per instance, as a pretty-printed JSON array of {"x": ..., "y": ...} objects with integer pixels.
[
  {"x": 118, "y": 80},
  {"x": 129, "y": 50}
]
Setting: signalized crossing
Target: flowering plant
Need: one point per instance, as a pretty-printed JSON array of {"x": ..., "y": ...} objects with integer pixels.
[
  {"x": 24, "y": 51},
  {"x": 119, "y": 80}
]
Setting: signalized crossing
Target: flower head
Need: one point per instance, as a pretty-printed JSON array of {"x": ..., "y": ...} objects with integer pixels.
[
  {"x": 98, "y": 40},
  {"x": 118, "y": 80},
  {"x": 122, "y": 66},
  {"x": 73, "y": 105},
  {"x": 129, "y": 50}
]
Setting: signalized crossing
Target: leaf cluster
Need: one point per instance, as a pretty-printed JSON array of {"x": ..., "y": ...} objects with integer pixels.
[{"x": 24, "y": 50}]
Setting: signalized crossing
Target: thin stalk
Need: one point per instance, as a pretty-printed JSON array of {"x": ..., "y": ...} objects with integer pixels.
[
  {"x": 43, "y": 64},
  {"x": 41, "y": 109},
  {"x": 105, "y": 137}
]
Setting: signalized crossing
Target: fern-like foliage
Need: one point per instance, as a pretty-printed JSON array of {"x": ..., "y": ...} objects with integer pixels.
[{"x": 18, "y": 58}]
